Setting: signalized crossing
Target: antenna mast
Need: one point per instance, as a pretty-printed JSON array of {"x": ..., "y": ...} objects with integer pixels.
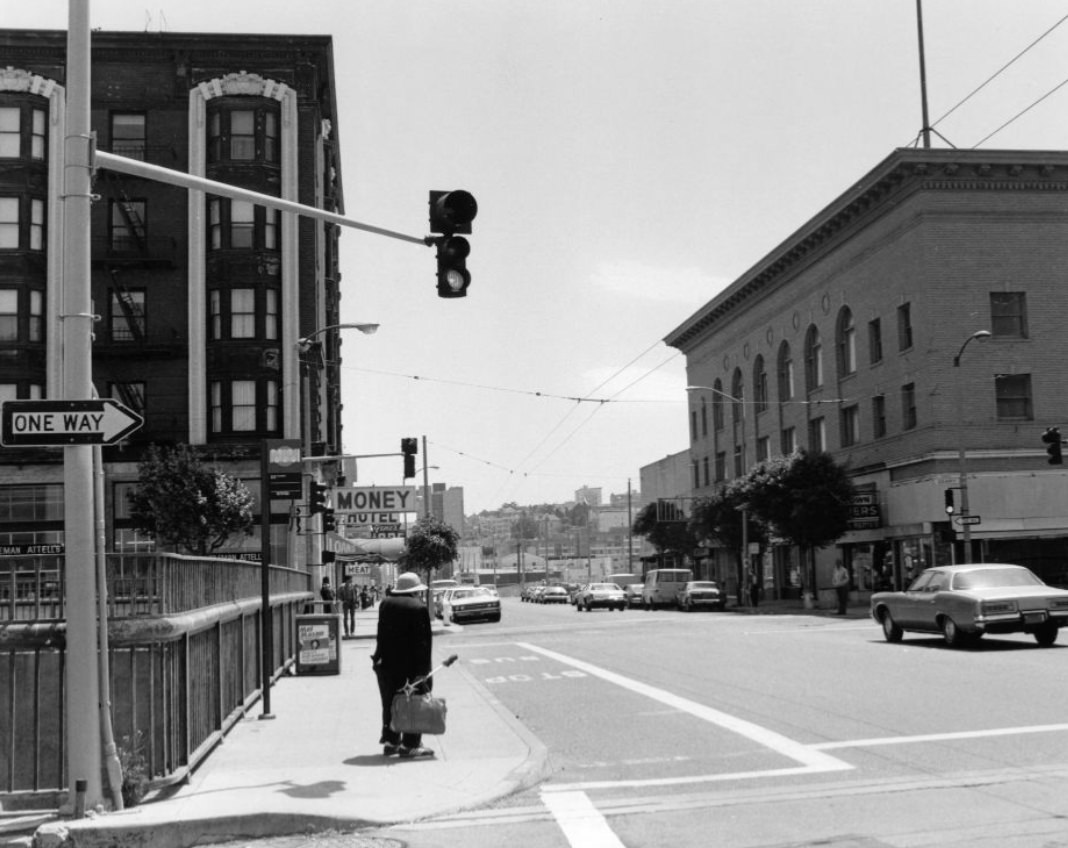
[{"x": 926, "y": 130}]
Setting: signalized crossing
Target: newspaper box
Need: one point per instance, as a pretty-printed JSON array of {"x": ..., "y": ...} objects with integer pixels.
[{"x": 318, "y": 644}]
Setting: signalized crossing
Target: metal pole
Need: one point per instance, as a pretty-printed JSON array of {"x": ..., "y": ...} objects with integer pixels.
[
  {"x": 426, "y": 484},
  {"x": 84, "y": 758},
  {"x": 266, "y": 618},
  {"x": 926, "y": 130},
  {"x": 981, "y": 335}
]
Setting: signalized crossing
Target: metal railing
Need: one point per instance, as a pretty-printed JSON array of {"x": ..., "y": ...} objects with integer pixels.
[{"x": 184, "y": 651}]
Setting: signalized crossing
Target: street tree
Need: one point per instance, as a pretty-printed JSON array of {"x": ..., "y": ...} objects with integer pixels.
[
  {"x": 725, "y": 517},
  {"x": 668, "y": 537},
  {"x": 187, "y": 505},
  {"x": 431, "y": 544}
]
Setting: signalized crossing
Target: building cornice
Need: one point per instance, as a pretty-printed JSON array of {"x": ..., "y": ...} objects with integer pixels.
[{"x": 901, "y": 174}]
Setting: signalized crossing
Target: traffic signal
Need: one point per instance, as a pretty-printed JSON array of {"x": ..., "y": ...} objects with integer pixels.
[
  {"x": 950, "y": 508},
  {"x": 317, "y": 498},
  {"x": 1052, "y": 438},
  {"x": 409, "y": 447},
  {"x": 452, "y": 212},
  {"x": 453, "y": 276},
  {"x": 329, "y": 521}
]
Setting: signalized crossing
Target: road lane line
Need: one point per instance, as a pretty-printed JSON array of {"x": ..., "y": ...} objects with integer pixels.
[
  {"x": 582, "y": 824},
  {"x": 942, "y": 737},
  {"x": 804, "y": 754}
]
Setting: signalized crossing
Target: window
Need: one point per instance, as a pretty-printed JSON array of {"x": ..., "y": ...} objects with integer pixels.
[
  {"x": 244, "y": 406},
  {"x": 721, "y": 466},
  {"x": 10, "y": 132},
  {"x": 696, "y": 474},
  {"x": 739, "y": 461},
  {"x": 272, "y": 225},
  {"x": 9, "y": 315},
  {"x": 875, "y": 341},
  {"x": 1013, "y": 396},
  {"x": 705, "y": 464},
  {"x": 9, "y": 223},
  {"x": 717, "y": 404},
  {"x": 760, "y": 385},
  {"x": 127, "y": 225},
  {"x": 242, "y": 130},
  {"x": 241, "y": 225},
  {"x": 128, "y": 134},
  {"x": 127, "y": 319},
  {"x": 1008, "y": 314},
  {"x": 904, "y": 326},
  {"x": 878, "y": 416},
  {"x": 737, "y": 397},
  {"x": 788, "y": 440},
  {"x": 908, "y": 406},
  {"x": 763, "y": 448},
  {"x": 132, "y": 395},
  {"x": 847, "y": 343},
  {"x": 786, "y": 373},
  {"x": 37, "y": 224},
  {"x": 813, "y": 359},
  {"x": 215, "y": 314},
  {"x": 23, "y": 132},
  {"x": 36, "y": 327},
  {"x": 693, "y": 425},
  {"x": 850, "y": 425},
  {"x": 704, "y": 416},
  {"x": 271, "y": 409},
  {"x": 242, "y": 313},
  {"x": 817, "y": 434}
]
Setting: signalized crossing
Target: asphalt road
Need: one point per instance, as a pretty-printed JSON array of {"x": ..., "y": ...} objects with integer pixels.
[{"x": 723, "y": 729}]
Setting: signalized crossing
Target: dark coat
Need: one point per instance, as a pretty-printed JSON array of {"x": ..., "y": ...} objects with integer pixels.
[{"x": 404, "y": 638}]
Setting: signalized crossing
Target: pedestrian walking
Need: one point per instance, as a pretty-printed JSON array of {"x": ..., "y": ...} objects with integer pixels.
[
  {"x": 326, "y": 593},
  {"x": 402, "y": 654},
  {"x": 840, "y": 582},
  {"x": 346, "y": 593}
]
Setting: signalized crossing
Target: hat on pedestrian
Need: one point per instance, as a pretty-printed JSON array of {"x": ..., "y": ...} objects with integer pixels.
[{"x": 407, "y": 583}]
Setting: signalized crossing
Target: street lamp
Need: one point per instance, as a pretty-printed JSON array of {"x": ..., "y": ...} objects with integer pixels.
[
  {"x": 306, "y": 342},
  {"x": 982, "y": 336}
]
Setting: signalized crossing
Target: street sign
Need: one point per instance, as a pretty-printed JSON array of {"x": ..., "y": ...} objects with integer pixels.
[
  {"x": 968, "y": 519},
  {"x": 374, "y": 499},
  {"x": 43, "y": 423}
]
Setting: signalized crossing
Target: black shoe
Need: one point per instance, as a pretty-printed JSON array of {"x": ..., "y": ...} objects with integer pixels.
[
  {"x": 412, "y": 753},
  {"x": 390, "y": 750}
]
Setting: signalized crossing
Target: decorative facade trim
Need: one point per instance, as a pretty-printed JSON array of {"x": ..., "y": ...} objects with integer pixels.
[
  {"x": 243, "y": 84},
  {"x": 16, "y": 79}
]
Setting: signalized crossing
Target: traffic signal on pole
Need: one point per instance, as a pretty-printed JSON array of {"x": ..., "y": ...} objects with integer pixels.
[
  {"x": 1052, "y": 438},
  {"x": 329, "y": 521},
  {"x": 452, "y": 212},
  {"x": 317, "y": 498},
  {"x": 950, "y": 508},
  {"x": 409, "y": 447}
]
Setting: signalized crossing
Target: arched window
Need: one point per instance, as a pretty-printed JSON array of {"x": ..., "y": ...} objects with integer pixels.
[
  {"x": 737, "y": 397},
  {"x": 786, "y": 373},
  {"x": 846, "y": 342},
  {"x": 760, "y": 385},
  {"x": 813, "y": 359}
]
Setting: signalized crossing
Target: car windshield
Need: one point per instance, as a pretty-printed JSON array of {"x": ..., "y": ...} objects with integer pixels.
[
  {"x": 464, "y": 593},
  {"x": 604, "y": 587},
  {"x": 991, "y": 578},
  {"x": 704, "y": 585}
]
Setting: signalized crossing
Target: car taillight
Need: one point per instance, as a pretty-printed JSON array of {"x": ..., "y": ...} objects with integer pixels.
[
  {"x": 1058, "y": 603},
  {"x": 997, "y": 607}
]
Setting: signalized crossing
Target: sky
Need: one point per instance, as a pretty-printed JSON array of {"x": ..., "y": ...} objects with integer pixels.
[{"x": 630, "y": 159}]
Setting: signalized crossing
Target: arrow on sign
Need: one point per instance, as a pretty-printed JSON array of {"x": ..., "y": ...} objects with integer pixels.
[{"x": 66, "y": 422}]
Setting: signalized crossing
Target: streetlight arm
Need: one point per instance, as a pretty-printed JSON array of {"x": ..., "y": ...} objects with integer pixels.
[
  {"x": 367, "y": 329},
  {"x": 981, "y": 335}
]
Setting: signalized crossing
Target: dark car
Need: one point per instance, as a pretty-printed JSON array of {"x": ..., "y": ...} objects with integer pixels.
[
  {"x": 962, "y": 602},
  {"x": 553, "y": 595}
]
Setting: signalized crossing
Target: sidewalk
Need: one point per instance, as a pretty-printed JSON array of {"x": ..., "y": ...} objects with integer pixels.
[{"x": 317, "y": 764}]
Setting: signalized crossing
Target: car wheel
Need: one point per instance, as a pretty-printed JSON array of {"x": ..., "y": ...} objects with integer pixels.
[
  {"x": 892, "y": 632},
  {"x": 1046, "y": 635},
  {"x": 953, "y": 635}
]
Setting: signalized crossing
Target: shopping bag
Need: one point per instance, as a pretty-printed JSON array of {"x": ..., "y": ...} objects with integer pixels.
[{"x": 414, "y": 713}]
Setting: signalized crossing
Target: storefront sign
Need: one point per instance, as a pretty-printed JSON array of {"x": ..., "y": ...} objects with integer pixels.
[{"x": 864, "y": 511}]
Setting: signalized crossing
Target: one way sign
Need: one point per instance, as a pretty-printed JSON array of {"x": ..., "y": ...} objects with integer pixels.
[{"x": 65, "y": 422}]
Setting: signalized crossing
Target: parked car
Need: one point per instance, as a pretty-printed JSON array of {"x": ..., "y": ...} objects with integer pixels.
[
  {"x": 700, "y": 594},
  {"x": 470, "y": 603},
  {"x": 573, "y": 597},
  {"x": 553, "y": 595},
  {"x": 662, "y": 586},
  {"x": 633, "y": 594},
  {"x": 596, "y": 595},
  {"x": 526, "y": 593},
  {"x": 962, "y": 602}
]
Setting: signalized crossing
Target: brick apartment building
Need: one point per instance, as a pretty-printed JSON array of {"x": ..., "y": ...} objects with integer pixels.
[
  {"x": 200, "y": 301},
  {"x": 844, "y": 338}
]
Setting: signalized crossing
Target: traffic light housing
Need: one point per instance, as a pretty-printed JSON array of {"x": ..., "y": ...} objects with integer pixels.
[
  {"x": 409, "y": 448},
  {"x": 317, "y": 498},
  {"x": 950, "y": 508},
  {"x": 1052, "y": 438},
  {"x": 452, "y": 212},
  {"x": 329, "y": 521},
  {"x": 453, "y": 276}
]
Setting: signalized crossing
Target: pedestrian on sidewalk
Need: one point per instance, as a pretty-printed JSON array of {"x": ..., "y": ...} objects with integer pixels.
[
  {"x": 402, "y": 654},
  {"x": 840, "y": 581},
  {"x": 346, "y": 593},
  {"x": 326, "y": 593}
]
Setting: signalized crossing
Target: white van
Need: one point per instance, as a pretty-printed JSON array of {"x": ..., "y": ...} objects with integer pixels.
[{"x": 662, "y": 584}]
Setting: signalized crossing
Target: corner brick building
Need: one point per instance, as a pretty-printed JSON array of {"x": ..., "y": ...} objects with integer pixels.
[{"x": 844, "y": 338}]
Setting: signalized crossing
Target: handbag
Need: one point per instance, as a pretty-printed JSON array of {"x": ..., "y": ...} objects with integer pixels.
[{"x": 413, "y": 713}]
